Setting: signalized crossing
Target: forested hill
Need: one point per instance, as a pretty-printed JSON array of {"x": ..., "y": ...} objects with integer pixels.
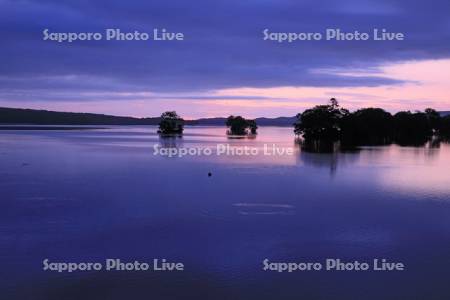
[{"x": 44, "y": 117}]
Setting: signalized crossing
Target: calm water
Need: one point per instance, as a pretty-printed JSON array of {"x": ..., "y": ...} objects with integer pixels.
[{"x": 89, "y": 195}]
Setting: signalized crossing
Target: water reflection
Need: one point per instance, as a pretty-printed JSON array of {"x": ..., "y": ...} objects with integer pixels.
[
  {"x": 320, "y": 160},
  {"x": 423, "y": 170},
  {"x": 170, "y": 141},
  {"x": 93, "y": 198},
  {"x": 241, "y": 137}
]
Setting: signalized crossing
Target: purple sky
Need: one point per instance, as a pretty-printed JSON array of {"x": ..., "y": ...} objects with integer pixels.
[{"x": 223, "y": 66}]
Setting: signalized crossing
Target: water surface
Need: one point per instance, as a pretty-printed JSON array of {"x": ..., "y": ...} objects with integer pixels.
[{"x": 87, "y": 195}]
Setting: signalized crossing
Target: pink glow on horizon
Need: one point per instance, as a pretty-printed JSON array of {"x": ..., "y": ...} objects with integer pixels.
[{"x": 428, "y": 85}]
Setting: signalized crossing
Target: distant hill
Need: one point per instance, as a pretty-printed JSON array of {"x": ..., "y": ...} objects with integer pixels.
[
  {"x": 280, "y": 121},
  {"x": 45, "y": 117},
  {"x": 207, "y": 121}
]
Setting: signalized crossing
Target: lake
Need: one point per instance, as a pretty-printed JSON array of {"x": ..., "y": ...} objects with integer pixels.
[{"x": 88, "y": 195}]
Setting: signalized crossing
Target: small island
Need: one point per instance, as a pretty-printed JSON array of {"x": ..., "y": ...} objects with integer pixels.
[
  {"x": 171, "y": 123},
  {"x": 324, "y": 127},
  {"x": 238, "y": 125}
]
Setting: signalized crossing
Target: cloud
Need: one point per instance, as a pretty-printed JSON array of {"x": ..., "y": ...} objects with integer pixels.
[{"x": 223, "y": 48}]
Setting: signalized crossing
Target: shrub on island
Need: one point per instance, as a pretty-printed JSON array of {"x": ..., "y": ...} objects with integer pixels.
[
  {"x": 240, "y": 126},
  {"x": 171, "y": 123},
  {"x": 328, "y": 124},
  {"x": 444, "y": 127}
]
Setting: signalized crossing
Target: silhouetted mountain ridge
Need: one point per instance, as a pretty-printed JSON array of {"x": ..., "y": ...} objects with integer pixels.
[{"x": 45, "y": 117}]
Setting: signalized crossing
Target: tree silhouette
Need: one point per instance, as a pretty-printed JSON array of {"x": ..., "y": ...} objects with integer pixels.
[
  {"x": 334, "y": 103},
  {"x": 411, "y": 128},
  {"x": 252, "y": 126},
  {"x": 444, "y": 127},
  {"x": 434, "y": 119},
  {"x": 321, "y": 122},
  {"x": 323, "y": 125},
  {"x": 171, "y": 123},
  {"x": 240, "y": 126},
  {"x": 369, "y": 126}
]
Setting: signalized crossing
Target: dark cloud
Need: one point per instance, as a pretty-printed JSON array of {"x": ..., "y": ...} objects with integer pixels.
[{"x": 223, "y": 46}]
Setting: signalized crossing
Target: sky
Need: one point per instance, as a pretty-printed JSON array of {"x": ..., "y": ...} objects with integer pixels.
[{"x": 224, "y": 66}]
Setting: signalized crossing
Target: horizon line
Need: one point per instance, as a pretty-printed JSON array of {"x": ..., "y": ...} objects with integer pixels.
[{"x": 187, "y": 119}]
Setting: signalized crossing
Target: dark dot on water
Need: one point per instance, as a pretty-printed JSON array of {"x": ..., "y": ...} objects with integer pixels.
[{"x": 209, "y": 174}]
